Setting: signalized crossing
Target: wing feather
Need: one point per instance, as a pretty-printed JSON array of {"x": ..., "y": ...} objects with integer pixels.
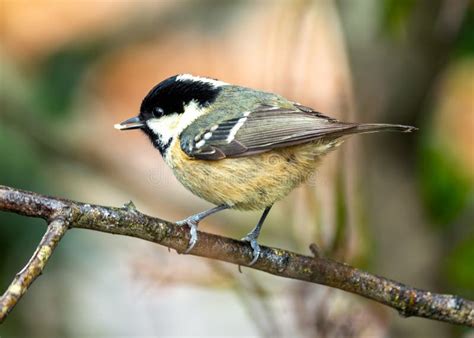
[{"x": 257, "y": 131}]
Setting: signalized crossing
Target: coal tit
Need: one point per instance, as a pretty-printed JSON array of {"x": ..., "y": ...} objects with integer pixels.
[{"x": 237, "y": 147}]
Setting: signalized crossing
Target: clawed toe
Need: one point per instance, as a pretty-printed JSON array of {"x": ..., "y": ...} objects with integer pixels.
[
  {"x": 192, "y": 232},
  {"x": 193, "y": 221},
  {"x": 256, "y": 248},
  {"x": 252, "y": 236}
]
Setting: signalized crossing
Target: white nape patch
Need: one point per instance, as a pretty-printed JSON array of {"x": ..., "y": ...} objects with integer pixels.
[
  {"x": 235, "y": 129},
  {"x": 189, "y": 77}
]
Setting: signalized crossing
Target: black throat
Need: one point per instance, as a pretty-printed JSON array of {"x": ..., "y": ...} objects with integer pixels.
[{"x": 156, "y": 141}]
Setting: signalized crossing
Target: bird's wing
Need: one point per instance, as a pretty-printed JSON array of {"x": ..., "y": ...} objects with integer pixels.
[{"x": 256, "y": 131}]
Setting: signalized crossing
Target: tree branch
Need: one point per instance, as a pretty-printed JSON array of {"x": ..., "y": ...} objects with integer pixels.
[
  {"x": 23, "y": 279},
  {"x": 130, "y": 222}
]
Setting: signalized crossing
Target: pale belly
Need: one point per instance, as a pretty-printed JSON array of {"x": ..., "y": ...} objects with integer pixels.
[{"x": 247, "y": 183}]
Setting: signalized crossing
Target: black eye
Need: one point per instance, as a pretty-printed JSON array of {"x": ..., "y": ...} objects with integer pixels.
[{"x": 157, "y": 112}]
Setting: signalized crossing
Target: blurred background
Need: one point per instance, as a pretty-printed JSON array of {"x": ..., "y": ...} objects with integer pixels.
[{"x": 398, "y": 205}]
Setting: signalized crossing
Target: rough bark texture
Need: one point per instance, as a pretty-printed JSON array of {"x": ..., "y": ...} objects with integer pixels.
[
  {"x": 61, "y": 213},
  {"x": 23, "y": 279}
]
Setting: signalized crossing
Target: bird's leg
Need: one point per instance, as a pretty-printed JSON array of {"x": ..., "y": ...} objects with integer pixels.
[
  {"x": 252, "y": 236},
  {"x": 193, "y": 221}
]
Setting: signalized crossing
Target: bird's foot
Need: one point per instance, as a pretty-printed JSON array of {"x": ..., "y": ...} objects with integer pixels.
[
  {"x": 193, "y": 225},
  {"x": 252, "y": 239},
  {"x": 193, "y": 221}
]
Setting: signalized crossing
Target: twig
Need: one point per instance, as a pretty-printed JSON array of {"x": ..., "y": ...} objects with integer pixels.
[
  {"x": 23, "y": 279},
  {"x": 321, "y": 270}
]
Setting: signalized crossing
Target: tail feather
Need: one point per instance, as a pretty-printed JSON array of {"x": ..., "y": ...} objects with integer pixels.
[
  {"x": 376, "y": 127},
  {"x": 364, "y": 128}
]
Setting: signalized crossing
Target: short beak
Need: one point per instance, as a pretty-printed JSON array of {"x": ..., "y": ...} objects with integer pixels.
[{"x": 132, "y": 123}]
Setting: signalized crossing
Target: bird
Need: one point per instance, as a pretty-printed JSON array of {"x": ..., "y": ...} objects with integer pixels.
[{"x": 237, "y": 147}]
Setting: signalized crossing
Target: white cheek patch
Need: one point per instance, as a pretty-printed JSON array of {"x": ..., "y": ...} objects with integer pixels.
[
  {"x": 165, "y": 127},
  {"x": 191, "y": 112},
  {"x": 171, "y": 126}
]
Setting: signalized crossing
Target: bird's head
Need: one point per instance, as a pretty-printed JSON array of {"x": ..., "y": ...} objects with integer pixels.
[{"x": 171, "y": 106}]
